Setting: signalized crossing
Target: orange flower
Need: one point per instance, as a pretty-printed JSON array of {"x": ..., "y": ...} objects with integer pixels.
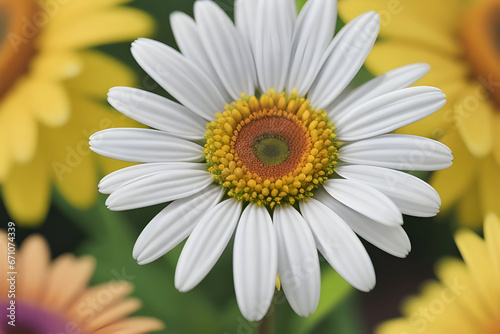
[{"x": 54, "y": 297}]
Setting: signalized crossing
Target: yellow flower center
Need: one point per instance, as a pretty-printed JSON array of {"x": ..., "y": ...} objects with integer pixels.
[
  {"x": 17, "y": 36},
  {"x": 481, "y": 39},
  {"x": 271, "y": 150}
]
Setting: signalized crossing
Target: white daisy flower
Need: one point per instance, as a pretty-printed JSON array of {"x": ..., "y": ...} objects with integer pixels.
[{"x": 267, "y": 142}]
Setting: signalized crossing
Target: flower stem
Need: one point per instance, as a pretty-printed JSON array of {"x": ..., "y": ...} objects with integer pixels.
[{"x": 267, "y": 324}]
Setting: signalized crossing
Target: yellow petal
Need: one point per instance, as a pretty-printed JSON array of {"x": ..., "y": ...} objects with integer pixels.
[
  {"x": 72, "y": 165},
  {"x": 453, "y": 182},
  {"x": 473, "y": 115},
  {"x": 69, "y": 10},
  {"x": 436, "y": 299},
  {"x": 469, "y": 213},
  {"x": 492, "y": 236},
  {"x": 56, "y": 65},
  {"x": 108, "y": 26},
  {"x": 490, "y": 186},
  {"x": 99, "y": 117},
  {"x": 456, "y": 276},
  {"x": 443, "y": 15},
  {"x": 478, "y": 261},
  {"x": 49, "y": 102},
  {"x": 496, "y": 133},
  {"x": 387, "y": 55},
  {"x": 399, "y": 22},
  {"x": 446, "y": 72},
  {"x": 397, "y": 326},
  {"x": 443, "y": 120},
  {"x": 100, "y": 73},
  {"x": 419, "y": 32},
  {"x": 34, "y": 258},
  {"x": 21, "y": 127},
  {"x": 433, "y": 126},
  {"x": 26, "y": 192},
  {"x": 111, "y": 165},
  {"x": 5, "y": 156}
]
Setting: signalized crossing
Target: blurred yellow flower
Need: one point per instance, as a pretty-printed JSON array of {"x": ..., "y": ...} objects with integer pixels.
[
  {"x": 466, "y": 299},
  {"x": 52, "y": 88},
  {"x": 53, "y": 297},
  {"x": 459, "y": 39}
]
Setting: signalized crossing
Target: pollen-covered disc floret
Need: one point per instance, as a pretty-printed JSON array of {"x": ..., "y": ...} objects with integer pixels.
[{"x": 271, "y": 150}]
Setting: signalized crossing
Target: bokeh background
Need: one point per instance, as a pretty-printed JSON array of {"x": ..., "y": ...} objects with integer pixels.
[{"x": 211, "y": 307}]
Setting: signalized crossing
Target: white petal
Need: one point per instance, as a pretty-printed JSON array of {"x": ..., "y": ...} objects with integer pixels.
[
  {"x": 404, "y": 152},
  {"x": 388, "y": 112},
  {"x": 255, "y": 262},
  {"x": 144, "y": 145},
  {"x": 366, "y": 200},
  {"x": 339, "y": 245},
  {"x": 245, "y": 12},
  {"x": 157, "y": 112},
  {"x": 187, "y": 36},
  {"x": 273, "y": 42},
  {"x": 121, "y": 177},
  {"x": 412, "y": 195},
  {"x": 298, "y": 263},
  {"x": 390, "y": 239},
  {"x": 226, "y": 49},
  {"x": 350, "y": 49},
  {"x": 173, "y": 224},
  {"x": 158, "y": 188},
  {"x": 399, "y": 78},
  {"x": 179, "y": 76},
  {"x": 313, "y": 32},
  {"x": 206, "y": 244}
]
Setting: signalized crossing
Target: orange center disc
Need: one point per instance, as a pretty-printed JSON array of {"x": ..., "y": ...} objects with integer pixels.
[{"x": 286, "y": 140}]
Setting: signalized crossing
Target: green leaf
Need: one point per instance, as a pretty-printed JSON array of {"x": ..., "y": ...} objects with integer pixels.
[{"x": 300, "y": 4}]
